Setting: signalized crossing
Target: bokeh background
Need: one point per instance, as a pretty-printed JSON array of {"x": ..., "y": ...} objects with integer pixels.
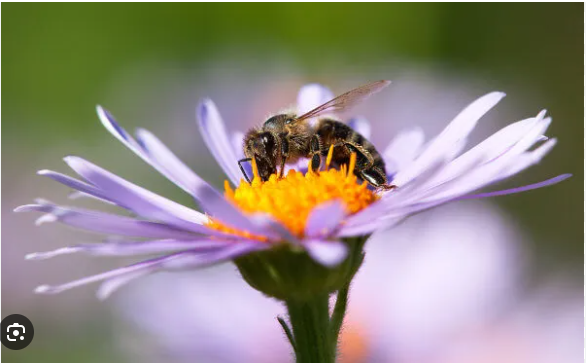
[{"x": 150, "y": 63}]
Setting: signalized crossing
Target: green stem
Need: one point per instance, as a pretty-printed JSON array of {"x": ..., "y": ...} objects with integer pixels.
[{"x": 311, "y": 330}]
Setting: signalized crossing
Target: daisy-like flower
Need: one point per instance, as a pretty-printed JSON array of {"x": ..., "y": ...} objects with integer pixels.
[
  {"x": 298, "y": 238},
  {"x": 444, "y": 291}
]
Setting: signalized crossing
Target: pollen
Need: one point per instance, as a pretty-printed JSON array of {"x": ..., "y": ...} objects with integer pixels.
[{"x": 291, "y": 199}]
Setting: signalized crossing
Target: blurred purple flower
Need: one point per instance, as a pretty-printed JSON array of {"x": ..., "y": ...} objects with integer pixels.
[
  {"x": 426, "y": 175},
  {"x": 173, "y": 320}
]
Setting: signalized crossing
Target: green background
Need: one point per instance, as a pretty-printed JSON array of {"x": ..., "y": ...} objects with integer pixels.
[{"x": 59, "y": 60}]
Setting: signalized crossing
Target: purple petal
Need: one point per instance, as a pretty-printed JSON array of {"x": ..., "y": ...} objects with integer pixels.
[
  {"x": 132, "y": 248},
  {"x": 418, "y": 207},
  {"x": 527, "y": 159},
  {"x": 155, "y": 153},
  {"x": 403, "y": 149},
  {"x": 148, "y": 265},
  {"x": 311, "y": 96},
  {"x": 188, "y": 261},
  {"x": 369, "y": 227},
  {"x": 110, "y": 286},
  {"x": 275, "y": 229},
  {"x": 451, "y": 139},
  {"x": 213, "y": 203},
  {"x": 192, "y": 260},
  {"x": 75, "y": 184},
  {"x": 525, "y": 188},
  {"x": 141, "y": 201},
  {"x": 511, "y": 162},
  {"x": 327, "y": 253},
  {"x": 237, "y": 141},
  {"x": 360, "y": 125},
  {"x": 324, "y": 219},
  {"x": 170, "y": 165},
  {"x": 215, "y": 136},
  {"x": 81, "y": 195},
  {"x": 118, "y": 277},
  {"x": 114, "y": 128},
  {"x": 494, "y": 146},
  {"x": 102, "y": 222},
  {"x": 229, "y": 214},
  {"x": 391, "y": 202}
]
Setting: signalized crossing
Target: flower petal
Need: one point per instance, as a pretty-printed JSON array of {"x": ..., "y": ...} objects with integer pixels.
[
  {"x": 102, "y": 222},
  {"x": 237, "y": 141},
  {"x": 491, "y": 148},
  {"x": 118, "y": 277},
  {"x": 418, "y": 207},
  {"x": 215, "y": 136},
  {"x": 451, "y": 139},
  {"x": 81, "y": 195},
  {"x": 188, "y": 261},
  {"x": 324, "y": 219},
  {"x": 230, "y": 215},
  {"x": 403, "y": 149},
  {"x": 170, "y": 165},
  {"x": 524, "y": 188},
  {"x": 276, "y": 230},
  {"x": 512, "y": 161},
  {"x": 327, "y": 253},
  {"x": 132, "y": 248},
  {"x": 85, "y": 188},
  {"x": 141, "y": 201},
  {"x": 377, "y": 223},
  {"x": 146, "y": 266},
  {"x": 110, "y": 286},
  {"x": 155, "y": 153},
  {"x": 311, "y": 96}
]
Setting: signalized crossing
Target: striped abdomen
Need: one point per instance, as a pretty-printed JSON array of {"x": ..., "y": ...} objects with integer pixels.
[{"x": 332, "y": 132}]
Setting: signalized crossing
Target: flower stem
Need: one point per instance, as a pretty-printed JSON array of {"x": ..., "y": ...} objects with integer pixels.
[{"x": 310, "y": 321}]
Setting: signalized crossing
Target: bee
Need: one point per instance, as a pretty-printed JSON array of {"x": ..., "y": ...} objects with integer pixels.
[{"x": 285, "y": 138}]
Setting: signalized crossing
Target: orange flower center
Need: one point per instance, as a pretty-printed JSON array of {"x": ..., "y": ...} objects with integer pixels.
[{"x": 291, "y": 199}]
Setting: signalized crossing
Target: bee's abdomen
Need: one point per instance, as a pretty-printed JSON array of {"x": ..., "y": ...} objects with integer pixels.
[{"x": 332, "y": 132}]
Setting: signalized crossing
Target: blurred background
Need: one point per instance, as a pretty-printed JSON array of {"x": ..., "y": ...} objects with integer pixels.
[{"x": 150, "y": 63}]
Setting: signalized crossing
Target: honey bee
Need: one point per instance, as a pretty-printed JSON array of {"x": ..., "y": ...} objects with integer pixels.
[{"x": 285, "y": 138}]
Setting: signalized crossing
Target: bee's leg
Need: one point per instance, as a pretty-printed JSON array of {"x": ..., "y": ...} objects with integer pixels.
[
  {"x": 375, "y": 177},
  {"x": 364, "y": 159},
  {"x": 315, "y": 152},
  {"x": 284, "y": 155},
  {"x": 242, "y": 168}
]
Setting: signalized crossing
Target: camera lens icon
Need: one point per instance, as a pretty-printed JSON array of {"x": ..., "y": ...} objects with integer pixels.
[{"x": 15, "y": 330}]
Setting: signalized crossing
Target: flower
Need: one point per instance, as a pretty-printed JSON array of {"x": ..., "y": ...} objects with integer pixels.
[
  {"x": 326, "y": 234},
  {"x": 434, "y": 289}
]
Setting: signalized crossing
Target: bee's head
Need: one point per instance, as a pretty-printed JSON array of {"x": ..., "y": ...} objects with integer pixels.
[{"x": 263, "y": 147}]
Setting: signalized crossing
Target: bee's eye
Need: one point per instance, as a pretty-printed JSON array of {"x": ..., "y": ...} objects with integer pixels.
[
  {"x": 265, "y": 140},
  {"x": 288, "y": 121}
]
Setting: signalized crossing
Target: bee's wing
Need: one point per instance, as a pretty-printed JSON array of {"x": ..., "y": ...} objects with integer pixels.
[{"x": 345, "y": 101}]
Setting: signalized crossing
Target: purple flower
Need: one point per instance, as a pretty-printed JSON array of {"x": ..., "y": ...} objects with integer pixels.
[
  {"x": 228, "y": 228},
  {"x": 433, "y": 289}
]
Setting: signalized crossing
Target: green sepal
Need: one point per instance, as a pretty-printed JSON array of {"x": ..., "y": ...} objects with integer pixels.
[{"x": 287, "y": 272}]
